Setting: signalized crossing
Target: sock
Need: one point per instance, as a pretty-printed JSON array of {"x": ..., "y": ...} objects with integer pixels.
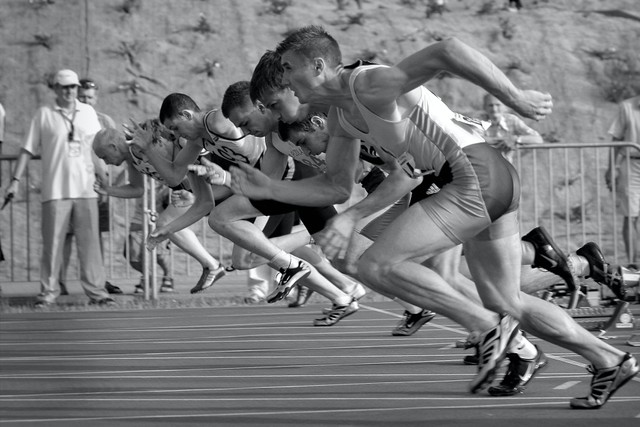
[
  {"x": 342, "y": 301},
  {"x": 579, "y": 265},
  {"x": 281, "y": 260},
  {"x": 409, "y": 307},
  {"x": 523, "y": 347}
]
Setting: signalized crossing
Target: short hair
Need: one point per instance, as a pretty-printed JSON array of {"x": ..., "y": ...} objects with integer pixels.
[
  {"x": 174, "y": 103},
  {"x": 312, "y": 41},
  {"x": 107, "y": 136},
  {"x": 305, "y": 125},
  {"x": 235, "y": 96},
  {"x": 267, "y": 76}
]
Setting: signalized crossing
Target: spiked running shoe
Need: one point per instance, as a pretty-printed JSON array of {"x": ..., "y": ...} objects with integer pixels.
[
  {"x": 519, "y": 373},
  {"x": 493, "y": 346},
  {"x": 208, "y": 278},
  {"x": 599, "y": 269},
  {"x": 288, "y": 279},
  {"x": 338, "y": 312},
  {"x": 549, "y": 256},
  {"x": 411, "y": 323},
  {"x": 606, "y": 382},
  {"x": 303, "y": 296}
]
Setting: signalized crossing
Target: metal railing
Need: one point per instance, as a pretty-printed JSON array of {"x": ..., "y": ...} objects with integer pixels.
[
  {"x": 563, "y": 188},
  {"x": 21, "y": 240}
]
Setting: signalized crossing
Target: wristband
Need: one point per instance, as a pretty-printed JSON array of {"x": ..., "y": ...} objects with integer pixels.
[{"x": 224, "y": 177}]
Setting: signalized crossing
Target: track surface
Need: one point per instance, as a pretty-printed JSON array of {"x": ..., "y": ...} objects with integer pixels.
[{"x": 266, "y": 365}]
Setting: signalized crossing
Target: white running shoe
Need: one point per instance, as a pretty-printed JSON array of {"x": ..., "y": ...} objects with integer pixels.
[
  {"x": 493, "y": 346},
  {"x": 288, "y": 279}
]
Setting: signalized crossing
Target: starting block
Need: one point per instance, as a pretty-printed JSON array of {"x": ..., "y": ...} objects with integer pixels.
[{"x": 604, "y": 319}]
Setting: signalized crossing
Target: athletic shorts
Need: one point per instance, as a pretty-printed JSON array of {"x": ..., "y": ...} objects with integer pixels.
[
  {"x": 313, "y": 218},
  {"x": 481, "y": 201}
]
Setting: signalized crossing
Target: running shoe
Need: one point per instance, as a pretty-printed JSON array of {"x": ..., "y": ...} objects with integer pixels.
[
  {"x": 599, "y": 269},
  {"x": 112, "y": 289},
  {"x": 606, "y": 382},
  {"x": 254, "y": 297},
  {"x": 208, "y": 278},
  {"x": 519, "y": 373},
  {"x": 472, "y": 359},
  {"x": 288, "y": 279},
  {"x": 549, "y": 256},
  {"x": 357, "y": 293},
  {"x": 303, "y": 296},
  {"x": 167, "y": 285},
  {"x": 411, "y": 323},
  {"x": 338, "y": 312},
  {"x": 493, "y": 346}
]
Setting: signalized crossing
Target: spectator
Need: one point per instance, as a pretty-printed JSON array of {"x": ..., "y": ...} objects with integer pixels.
[
  {"x": 63, "y": 134},
  {"x": 626, "y": 127},
  {"x": 88, "y": 93},
  {"x": 506, "y": 130}
]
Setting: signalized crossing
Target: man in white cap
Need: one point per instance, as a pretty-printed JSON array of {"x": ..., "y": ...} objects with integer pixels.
[{"x": 63, "y": 135}]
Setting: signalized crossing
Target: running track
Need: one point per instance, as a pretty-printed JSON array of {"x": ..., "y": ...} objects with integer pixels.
[{"x": 266, "y": 365}]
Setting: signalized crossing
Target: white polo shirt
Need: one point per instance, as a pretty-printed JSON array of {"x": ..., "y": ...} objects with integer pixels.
[{"x": 67, "y": 168}]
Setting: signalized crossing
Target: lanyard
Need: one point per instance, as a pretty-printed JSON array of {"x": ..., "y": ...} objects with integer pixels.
[{"x": 70, "y": 121}]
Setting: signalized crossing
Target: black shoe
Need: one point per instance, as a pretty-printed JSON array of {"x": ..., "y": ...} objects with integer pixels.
[
  {"x": 112, "y": 289},
  {"x": 411, "y": 323},
  {"x": 208, "y": 278},
  {"x": 606, "y": 382},
  {"x": 288, "y": 279},
  {"x": 549, "y": 256},
  {"x": 519, "y": 373},
  {"x": 103, "y": 302},
  {"x": 303, "y": 296},
  {"x": 600, "y": 271},
  {"x": 472, "y": 359}
]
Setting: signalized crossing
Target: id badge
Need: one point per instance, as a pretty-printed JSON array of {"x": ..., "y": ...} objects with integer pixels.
[{"x": 75, "y": 148}]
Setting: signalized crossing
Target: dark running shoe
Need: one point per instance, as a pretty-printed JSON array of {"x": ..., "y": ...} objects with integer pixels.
[
  {"x": 303, "y": 296},
  {"x": 519, "y": 373},
  {"x": 493, "y": 346},
  {"x": 600, "y": 271},
  {"x": 288, "y": 279},
  {"x": 549, "y": 256},
  {"x": 338, "y": 312},
  {"x": 112, "y": 289},
  {"x": 606, "y": 382},
  {"x": 472, "y": 359},
  {"x": 411, "y": 323},
  {"x": 208, "y": 278}
]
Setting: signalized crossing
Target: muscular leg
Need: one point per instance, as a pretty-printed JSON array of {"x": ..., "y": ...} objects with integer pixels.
[
  {"x": 186, "y": 239},
  {"x": 388, "y": 267},
  {"x": 495, "y": 282}
]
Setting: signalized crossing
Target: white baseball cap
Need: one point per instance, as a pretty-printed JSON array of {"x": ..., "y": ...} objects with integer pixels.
[{"x": 66, "y": 78}]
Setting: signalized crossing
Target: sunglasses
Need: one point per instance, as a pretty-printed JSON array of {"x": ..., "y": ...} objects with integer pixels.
[{"x": 88, "y": 85}]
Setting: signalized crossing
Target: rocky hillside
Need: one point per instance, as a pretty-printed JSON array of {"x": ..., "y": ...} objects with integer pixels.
[{"x": 140, "y": 50}]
